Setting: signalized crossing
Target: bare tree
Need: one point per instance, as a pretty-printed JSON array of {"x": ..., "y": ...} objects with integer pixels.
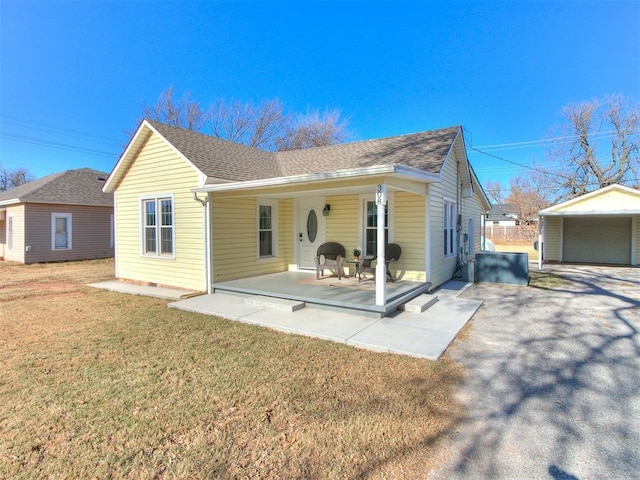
[
  {"x": 13, "y": 178},
  {"x": 258, "y": 126},
  {"x": 526, "y": 199},
  {"x": 266, "y": 125},
  {"x": 599, "y": 146},
  {"x": 315, "y": 129},
  {"x": 182, "y": 112},
  {"x": 495, "y": 191}
]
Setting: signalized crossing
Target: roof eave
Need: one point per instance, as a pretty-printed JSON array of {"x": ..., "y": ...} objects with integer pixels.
[
  {"x": 403, "y": 170},
  {"x": 587, "y": 196},
  {"x": 127, "y": 156},
  {"x": 133, "y": 149}
]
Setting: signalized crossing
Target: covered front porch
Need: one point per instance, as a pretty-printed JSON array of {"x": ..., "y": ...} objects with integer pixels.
[
  {"x": 348, "y": 294},
  {"x": 264, "y": 239}
]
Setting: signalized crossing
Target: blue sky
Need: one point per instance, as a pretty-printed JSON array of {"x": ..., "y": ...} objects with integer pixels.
[{"x": 74, "y": 74}]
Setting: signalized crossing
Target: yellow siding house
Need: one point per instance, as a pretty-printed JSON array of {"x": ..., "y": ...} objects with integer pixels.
[{"x": 192, "y": 210}]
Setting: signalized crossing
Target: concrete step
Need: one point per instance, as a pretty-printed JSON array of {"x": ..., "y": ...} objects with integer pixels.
[
  {"x": 420, "y": 303},
  {"x": 281, "y": 304}
]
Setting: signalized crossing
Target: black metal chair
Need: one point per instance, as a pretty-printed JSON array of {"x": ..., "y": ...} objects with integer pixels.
[
  {"x": 392, "y": 252},
  {"x": 330, "y": 255}
]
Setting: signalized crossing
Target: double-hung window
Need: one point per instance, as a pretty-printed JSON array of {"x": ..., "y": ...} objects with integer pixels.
[
  {"x": 449, "y": 219},
  {"x": 267, "y": 228},
  {"x": 158, "y": 226},
  {"x": 371, "y": 225},
  {"x": 60, "y": 231}
]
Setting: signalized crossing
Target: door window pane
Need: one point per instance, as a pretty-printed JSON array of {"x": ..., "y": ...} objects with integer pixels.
[{"x": 312, "y": 226}]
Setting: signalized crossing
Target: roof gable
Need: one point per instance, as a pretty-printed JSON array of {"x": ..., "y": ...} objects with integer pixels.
[
  {"x": 611, "y": 199},
  {"x": 82, "y": 186}
]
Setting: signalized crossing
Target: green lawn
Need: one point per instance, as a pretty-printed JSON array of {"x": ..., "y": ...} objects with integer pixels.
[{"x": 96, "y": 384}]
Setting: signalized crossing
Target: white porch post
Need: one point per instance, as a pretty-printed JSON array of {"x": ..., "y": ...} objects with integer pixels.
[{"x": 381, "y": 271}]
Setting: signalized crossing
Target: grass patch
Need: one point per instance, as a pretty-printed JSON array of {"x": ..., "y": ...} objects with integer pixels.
[
  {"x": 103, "y": 385},
  {"x": 518, "y": 248},
  {"x": 546, "y": 279}
]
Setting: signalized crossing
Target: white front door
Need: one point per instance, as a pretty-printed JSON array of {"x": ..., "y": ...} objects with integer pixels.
[{"x": 311, "y": 230}]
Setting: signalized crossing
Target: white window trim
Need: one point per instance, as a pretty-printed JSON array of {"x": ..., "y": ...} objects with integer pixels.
[
  {"x": 157, "y": 198},
  {"x": 270, "y": 202},
  {"x": 362, "y": 223},
  {"x": 452, "y": 253},
  {"x": 68, "y": 216},
  {"x": 10, "y": 231}
]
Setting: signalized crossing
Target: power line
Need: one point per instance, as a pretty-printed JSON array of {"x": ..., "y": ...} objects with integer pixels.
[
  {"x": 47, "y": 127},
  {"x": 535, "y": 169},
  {"x": 61, "y": 146},
  {"x": 46, "y": 130},
  {"x": 549, "y": 141}
]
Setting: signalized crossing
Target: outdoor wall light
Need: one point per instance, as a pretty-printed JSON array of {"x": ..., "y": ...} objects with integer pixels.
[{"x": 326, "y": 210}]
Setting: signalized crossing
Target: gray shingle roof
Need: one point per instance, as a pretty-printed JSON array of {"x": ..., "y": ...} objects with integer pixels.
[
  {"x": 424, "y": 150},
  {"x": 73, "y": 187},
  {"x": 219, "y": 158},
  {"x": 501, "y": 212}
]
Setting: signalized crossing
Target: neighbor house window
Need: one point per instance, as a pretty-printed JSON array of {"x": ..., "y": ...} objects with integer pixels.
[
  {"x": 10, "y": 231},
  {"x": 449, "y": 220},
  {"x": 158, "y": 226},
  {"x": 267, "y": 228},
  {"x": 60, "y": 231}
]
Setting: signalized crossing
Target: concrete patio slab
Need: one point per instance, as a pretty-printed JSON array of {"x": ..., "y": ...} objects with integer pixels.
[
  {"x": 144, "y": 290},
  {"x": 221, "y": 305},
  {"x": 449, "y": 314},
  {"x": 389, "y": 335},
  {"x": 311, "y": 322},
  {"x": 425, "y": 335}
]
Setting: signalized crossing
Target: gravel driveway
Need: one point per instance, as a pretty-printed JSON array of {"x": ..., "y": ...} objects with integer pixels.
[{"x": 554, "y": 379}]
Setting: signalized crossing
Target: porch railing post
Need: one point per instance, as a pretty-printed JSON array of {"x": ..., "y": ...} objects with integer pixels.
[{"x": 381, "y": 269}]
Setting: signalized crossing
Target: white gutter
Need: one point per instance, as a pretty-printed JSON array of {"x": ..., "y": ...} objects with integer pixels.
[
  {"x": 417, "y": 173},
  {"x": 10, "y": 202},
  {"x": 588, "y": 212},
  {"x": 319, "y": 177}
]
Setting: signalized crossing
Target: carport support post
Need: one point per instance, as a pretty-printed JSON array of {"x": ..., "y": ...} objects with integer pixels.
[
  {"x": 381, "y": 270},
  {"x": 540, "y": 220}
]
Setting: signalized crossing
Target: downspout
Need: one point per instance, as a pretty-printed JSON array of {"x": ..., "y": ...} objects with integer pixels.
[
  {"x": 459, "y": 260},
  {"x": 208, "y": 247},
  {"x": 207, "y": 240},
  {"x": 115, "y": 233}
]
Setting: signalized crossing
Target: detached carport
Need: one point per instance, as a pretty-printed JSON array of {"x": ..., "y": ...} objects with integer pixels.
[{"x": 599, "y": 227}]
